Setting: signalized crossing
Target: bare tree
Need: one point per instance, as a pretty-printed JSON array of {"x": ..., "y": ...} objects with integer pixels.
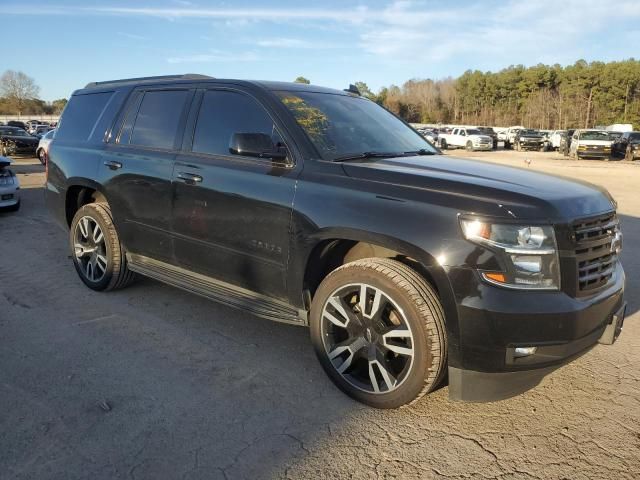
[{"x": 17, "y": 88}]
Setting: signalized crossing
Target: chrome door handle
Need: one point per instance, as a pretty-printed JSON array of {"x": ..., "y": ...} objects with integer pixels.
[
  {"x": 189, "y": 178},
  {"x": 113, "y": 165}
]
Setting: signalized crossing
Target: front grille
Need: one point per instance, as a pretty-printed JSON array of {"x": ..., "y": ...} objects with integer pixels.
[{"x": 594, "y": 256}]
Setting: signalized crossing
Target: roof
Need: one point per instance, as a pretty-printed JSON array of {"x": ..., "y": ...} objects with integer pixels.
[{"x": 168, "y": 79}]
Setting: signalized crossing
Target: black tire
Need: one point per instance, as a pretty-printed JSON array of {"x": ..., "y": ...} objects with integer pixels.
[
  {"x": 42, "y": 156},
  {"x": 424, "y": 315},
  {"x": 628, "y": 155},
  {"x": 443, "y": 144},
  {"x": 116, "y": 274},
  {"x": 469, "y": 146}
]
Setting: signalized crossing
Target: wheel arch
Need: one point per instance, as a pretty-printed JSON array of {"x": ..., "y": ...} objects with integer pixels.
[
  {"x": 332, "y": 249},
  {"x": 79, "y": 192}
]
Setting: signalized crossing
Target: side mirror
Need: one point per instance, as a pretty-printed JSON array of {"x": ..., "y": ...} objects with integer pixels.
[{"x": 255, "y": 145}]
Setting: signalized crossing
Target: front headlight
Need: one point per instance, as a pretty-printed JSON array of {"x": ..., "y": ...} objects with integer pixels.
[{"x": 528, "y": 254}]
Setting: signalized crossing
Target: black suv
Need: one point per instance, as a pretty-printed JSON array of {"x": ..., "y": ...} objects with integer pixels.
[
  {"x": 627, "y": 145},
  {"x": 527, "y": 139},
  {"x": 318, "y": 207}
]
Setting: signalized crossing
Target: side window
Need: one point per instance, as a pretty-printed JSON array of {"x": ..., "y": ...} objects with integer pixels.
[
  {"x": 156, "y": 124},
  {"x": 463, "y": 133},
  {"x": 81, "y": 114},
  {"x": 223, "y": 113}
]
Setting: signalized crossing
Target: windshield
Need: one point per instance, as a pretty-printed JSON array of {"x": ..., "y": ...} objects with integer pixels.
[
  {"x": 341, "y": 125},
  {"x": 594, "y": 136},
  {"x": 528, "y": 132},
  {"x": 634, "y": 137}
]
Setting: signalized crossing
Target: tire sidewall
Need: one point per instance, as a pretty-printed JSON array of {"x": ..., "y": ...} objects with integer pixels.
[
  {"x": 108, "y": 232},
  {"x": 422, "y": 360}
]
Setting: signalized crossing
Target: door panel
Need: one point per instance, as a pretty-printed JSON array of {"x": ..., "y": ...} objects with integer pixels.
[
  {"x": 231, "y": 214},
  {"x": 234, "y": 223},
  {"x": 137, "y": 169},
  {"x": 140, "y": 194}
]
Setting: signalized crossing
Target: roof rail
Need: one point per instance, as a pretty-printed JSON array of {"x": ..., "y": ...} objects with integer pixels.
[{"x": 186, "y": 76}]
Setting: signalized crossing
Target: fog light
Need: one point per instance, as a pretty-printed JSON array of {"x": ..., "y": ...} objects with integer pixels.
[{"x": 524, "y": 351}]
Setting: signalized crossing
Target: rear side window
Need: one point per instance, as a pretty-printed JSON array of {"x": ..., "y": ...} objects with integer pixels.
[
  {"x": 223, "y": 113},
  {"x": 158, "y": 118},
  {"x": 80, "y": 116}
]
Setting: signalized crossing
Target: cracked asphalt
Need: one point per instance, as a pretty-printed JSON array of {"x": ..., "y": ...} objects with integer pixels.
[{"x": 151, "y": 382}]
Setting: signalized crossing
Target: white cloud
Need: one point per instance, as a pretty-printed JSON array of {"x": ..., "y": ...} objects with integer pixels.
[
  {"x": 286, "y": 43},
  {"x": 213, "y": 56}
]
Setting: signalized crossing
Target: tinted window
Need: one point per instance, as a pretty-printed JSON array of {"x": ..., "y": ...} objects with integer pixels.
[
  {"x": 158, "y": 118},
  {"x": 81, "y": 114},
  {"x": 224, "y": 113}
]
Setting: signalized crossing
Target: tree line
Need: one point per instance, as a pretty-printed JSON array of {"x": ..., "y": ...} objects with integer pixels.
[
  {"x": 19, "y": 95},
  {"x": 581, "y": 95}
]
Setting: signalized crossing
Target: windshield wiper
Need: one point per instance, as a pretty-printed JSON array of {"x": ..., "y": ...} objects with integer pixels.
[
  {"x": 359, "y": 156},
  {"x": 422, "y": 151}
]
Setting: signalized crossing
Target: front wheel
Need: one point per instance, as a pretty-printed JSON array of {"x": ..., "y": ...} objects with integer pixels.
[
  {"x": 628, "y": 155},
  {"x": 469, "y": 146},
  {"x": 443, "y": 144},
  {"x": 378, "y": 330},
  {"x": 97, "y": 254}
]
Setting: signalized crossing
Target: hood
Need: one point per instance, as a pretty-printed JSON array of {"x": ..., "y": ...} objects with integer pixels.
[
  {"x": 484, "y": 188},
  {"x": 484, "y": 137},
  {"x": 21, "y": 138},
  {"x": 605, "y": 143}
]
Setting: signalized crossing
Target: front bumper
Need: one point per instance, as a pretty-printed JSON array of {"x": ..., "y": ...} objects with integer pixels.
[
  {"x": 9, "y": 197},
  {"x": 493, "y": 321},
  {"x": 593, "y": 153}
]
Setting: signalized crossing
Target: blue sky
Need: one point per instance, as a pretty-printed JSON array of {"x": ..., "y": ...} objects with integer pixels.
[{"x": 69, "y": 43}]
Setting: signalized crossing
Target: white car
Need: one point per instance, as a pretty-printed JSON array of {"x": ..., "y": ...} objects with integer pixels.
[
  {"x": 9, "y": 187},
  {"x": 591, "y": 143},
  {"x": 511, "y": 134},
  {"x": 469, "y": 138},
  {"x": 555, "y": 137},
  {"x": 42, "y": 152}
]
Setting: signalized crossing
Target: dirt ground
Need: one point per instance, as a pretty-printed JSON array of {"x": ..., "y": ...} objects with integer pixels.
[{"x": 151, "y": 382}]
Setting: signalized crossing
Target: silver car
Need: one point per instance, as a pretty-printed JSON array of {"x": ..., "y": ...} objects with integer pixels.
[
  {"x": 9, "y": 187},
  {"x": 42, "y": 152}
]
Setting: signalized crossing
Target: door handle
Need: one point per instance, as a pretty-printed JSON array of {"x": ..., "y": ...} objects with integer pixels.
[
  {"x": 189, "y": 178},
  {"x": 113, "y": 165}
]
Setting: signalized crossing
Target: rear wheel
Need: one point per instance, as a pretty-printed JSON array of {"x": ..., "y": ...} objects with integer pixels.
[
  {"x": 628, "y": 154},
  {"x": 42, "y": 156},
  {"x": 97, "y": 254},
  {"x": 378, "y": 330}
]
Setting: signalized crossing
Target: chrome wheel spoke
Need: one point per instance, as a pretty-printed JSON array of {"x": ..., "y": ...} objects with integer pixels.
[
  {"x": 351, "y": 346},
  {"x": 336, "y": 303},
  {"x": 97, "y": 235},
  {"x": 101, "y": 262},
  {"x": 398, "y": 333},
  {"x": 387, "y": 378},
  {"x": 83, "y": 224}
]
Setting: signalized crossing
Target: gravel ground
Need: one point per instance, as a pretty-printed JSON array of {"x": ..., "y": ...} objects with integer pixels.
[{"x": 151, "y": 382}]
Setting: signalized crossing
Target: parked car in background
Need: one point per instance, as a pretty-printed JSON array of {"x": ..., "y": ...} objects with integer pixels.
[
  {"x": 469, "y": 138},
  {"x": 9, "y": 186},
  {"x": 42, "y": 152},
  {"x": 16, "y": 141},
  {"x": 555, "y": 137},
  {"x": 614, "y": 135},
  {"x": 319, "y": 208},
  {"x": 528, "y": 139},
  {"x": 591, "y": 143},
  {"x": 40, "y": 130},
  {"x": 627, "y": 146},
  {"x": 16, "y": 123},
  {"x": 511, "y": 136},
  {"x": 431, "y": 134},
  {"x": 491, "y": 132}
]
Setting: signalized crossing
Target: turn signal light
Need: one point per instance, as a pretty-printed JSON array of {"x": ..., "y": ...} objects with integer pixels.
[{"x": 496, "y": 277}]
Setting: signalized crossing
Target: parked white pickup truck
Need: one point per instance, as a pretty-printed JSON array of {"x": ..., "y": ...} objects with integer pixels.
[{"x": 469, "y": 138}]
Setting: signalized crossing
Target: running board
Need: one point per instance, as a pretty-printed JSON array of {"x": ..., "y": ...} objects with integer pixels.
[{"x": 216, "y": 290}]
